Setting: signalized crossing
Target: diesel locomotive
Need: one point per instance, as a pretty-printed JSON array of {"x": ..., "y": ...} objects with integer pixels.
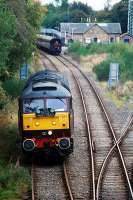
[
  {"x": 51, "y": 44},
  {"x": 45, "y": 114}
]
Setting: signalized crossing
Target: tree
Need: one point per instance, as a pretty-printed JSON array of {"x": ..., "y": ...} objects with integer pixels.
[
  {"x": 78, "y": 16},
  {"x": 104, "y": 16},
  {"x": 81, "y": 7},
  {"x": 28, "y": 20},
  {"x": 67, "y": 13},
  {"x": 64, "y": 5},
  {"x": 7, "y": 33},
  {"x": 107, "y": 5},
  {"x": 119, "y": 13},
  {"x": 20, "y": 20}
]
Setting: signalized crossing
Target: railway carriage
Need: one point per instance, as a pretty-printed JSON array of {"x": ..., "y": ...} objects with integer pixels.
[
  {"x": 46, "y": 114},
  {"x": 49, "y": 43}
]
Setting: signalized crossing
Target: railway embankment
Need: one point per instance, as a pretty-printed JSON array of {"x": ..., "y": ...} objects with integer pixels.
[
  {"x": 96, "y": 58},
  {"x": 14, "y": 179},
  {"x": 14, "y": 176}
]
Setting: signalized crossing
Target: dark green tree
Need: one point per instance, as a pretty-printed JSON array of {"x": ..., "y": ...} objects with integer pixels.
[
  {"x": 119, "y": 13},
  {"x": 64, "y": 12},
  {"x": 7, "y": 33},
  {"x": 82, "y": 7},
  {"x": 28, "y": 20}
]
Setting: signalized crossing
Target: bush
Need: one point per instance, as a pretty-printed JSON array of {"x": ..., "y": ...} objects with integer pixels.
[
  {"x": 10, "y": 189},
  {"x": 13, "y": 87},
  {"x": 3, "y": 98},
  {"x": 118, "y": 53},
  {"x": 14, "y": 182},
  {"x": 102, "y": 70}
]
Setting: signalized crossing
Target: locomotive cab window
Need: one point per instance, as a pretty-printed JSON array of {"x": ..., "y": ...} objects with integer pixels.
[
  {"x": 58, "y": 104},
  {"x": 33, "y": 105}
]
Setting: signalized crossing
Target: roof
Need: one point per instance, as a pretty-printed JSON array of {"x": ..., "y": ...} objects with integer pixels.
[
  {"x": 110, "y": 28},
  {"x": 51, "y": 31},
  {"x": 46, "y": 83}
]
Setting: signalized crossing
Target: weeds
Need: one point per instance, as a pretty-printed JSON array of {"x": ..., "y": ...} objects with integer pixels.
[{"x": 14, "y": 182}]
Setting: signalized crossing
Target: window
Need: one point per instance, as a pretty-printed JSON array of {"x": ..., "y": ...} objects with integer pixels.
[
  {"x": 111, "y": 39},
  {"x": 95, "y": 40},
  {"x": 87, "y": 40},
  {"x": 33, "y": 105},
  {"x": 59, "y": 104},
  {"x": 39, "y": 106}
]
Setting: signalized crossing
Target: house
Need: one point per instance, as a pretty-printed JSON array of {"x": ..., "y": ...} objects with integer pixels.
[
  {"x": 126, "y": 38},
  {"x": 91, "y": 32}
]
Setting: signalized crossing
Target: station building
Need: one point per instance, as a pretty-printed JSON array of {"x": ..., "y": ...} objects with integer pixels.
[{"x": 91, "y": 32}]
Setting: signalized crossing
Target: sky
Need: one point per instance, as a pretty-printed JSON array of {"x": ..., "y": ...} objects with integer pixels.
[{"x": 95, "y": 4}]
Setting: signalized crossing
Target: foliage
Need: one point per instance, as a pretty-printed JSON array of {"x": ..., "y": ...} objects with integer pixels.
[
  {"x": 28, "y": 17},
  {"x": 78, "y": 49},
  {"x": 19, "y": 23},
  {"x": 14, "y": 182},
  {"x": 64, "y": 12},
  {"x": 117, "y": 52},
  {"x": 119, "y": 13},
  {"x": 80, "y": 12},
  {"x": 10, "y": 189},
  {"x": 102, "y": 70},
  {"x": 3, "y": 98},
  {"x": 82, "y": 7},
  {"x": 103, "y": 16},
  {"x": 121, "y": 54},
  {"x": 13, "y": 87},
  {"x": 7, "y": 33}
]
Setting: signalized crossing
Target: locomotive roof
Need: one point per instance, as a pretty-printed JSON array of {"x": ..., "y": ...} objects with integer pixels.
[
  {"x": 47, "y": 37},
  {"x": 46, "y": 83}
]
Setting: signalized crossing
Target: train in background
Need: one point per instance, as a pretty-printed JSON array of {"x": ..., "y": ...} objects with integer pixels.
[
  {"x": 53, "y": 33},
  {"x": 49, "y": 44},
  {"x": 50, "y": 40},
  {"x": 46, "y": 114}
]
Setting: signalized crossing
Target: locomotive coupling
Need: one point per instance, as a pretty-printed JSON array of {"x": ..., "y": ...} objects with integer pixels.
[
  {"x": 64, "y": 143},
  {"x": 29, "y": 145}
]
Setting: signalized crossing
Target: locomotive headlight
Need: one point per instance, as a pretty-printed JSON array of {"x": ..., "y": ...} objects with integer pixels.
[
  {"x": 37, "y": 123},
  {"x": 50, "y": 132}
]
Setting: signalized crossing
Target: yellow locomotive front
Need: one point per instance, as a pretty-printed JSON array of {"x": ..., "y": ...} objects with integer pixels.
[{"x": 46, "y": 115}]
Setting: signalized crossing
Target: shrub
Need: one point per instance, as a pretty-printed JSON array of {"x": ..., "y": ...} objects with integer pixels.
[
  {"x": 13, "y": 87},
  {"x": 118, "y": 53},
  {"x": 102, "y": 70},
  {"x": 3, "y": 98},
  {"x": 10, "y": 189}
]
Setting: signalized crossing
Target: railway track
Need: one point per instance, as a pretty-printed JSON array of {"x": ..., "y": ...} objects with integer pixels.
[
  {"x": 65, "y": 170},
  {"x": 60, "y": 172},
  {"x": 96, "y": 178},
  {"x": 111, "y": 129}
]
